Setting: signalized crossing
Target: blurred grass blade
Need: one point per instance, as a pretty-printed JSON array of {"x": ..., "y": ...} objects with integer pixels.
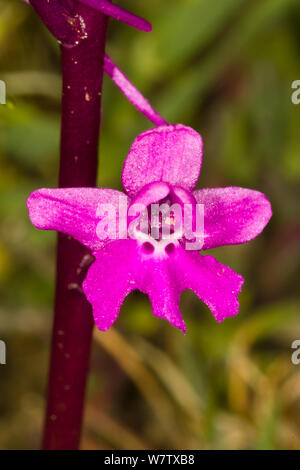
[
  {"x": 111, "y": 431},
  {"x": 133, "y": 365},
  {"x": 187, "y": 27},
  {"x": 180, "y": 98},
  {"x": 173, "y": 379}
]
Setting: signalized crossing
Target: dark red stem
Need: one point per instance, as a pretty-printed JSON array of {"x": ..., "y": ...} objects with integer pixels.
[{"x": 82, "y": 69}]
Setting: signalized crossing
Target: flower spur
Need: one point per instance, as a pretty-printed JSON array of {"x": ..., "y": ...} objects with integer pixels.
[{"x": 164, "y": 162}]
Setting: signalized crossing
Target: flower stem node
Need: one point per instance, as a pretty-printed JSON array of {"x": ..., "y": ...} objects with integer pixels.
[{"x": 63, "y": 21}]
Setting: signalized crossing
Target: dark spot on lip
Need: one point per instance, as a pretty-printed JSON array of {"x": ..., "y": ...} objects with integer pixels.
[
  {"x": 170, "y": 248},
  {"x": 148, "y": 248}
]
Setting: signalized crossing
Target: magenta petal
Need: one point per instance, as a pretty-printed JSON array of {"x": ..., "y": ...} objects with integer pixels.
[
  {"x": 123, "y": 266},
  {"x": 163, "y": 279},
  {"x": 167, "y": 153},
  {"x": 131, "y": 92},
  {"x": 75, "y": 211},
  {"x": 108, "y": 8},
  {"x": 232, "y": 215},
  {"x": 110, "y": 279},
  {"x": 159, "y": 279},
  {"x": 215, "y": 284}
]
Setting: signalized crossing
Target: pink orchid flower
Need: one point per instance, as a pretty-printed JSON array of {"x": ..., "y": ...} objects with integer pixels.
[{"x": 163, "y": 165}]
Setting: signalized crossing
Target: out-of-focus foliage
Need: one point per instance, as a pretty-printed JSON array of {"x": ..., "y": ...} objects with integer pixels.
[{"x": 225, "y": 68}]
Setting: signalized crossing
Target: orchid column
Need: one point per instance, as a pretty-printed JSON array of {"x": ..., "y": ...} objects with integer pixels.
[{"x": 80, "y": 26}]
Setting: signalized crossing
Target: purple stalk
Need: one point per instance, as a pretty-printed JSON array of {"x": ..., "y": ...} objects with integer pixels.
[{"x": 82, "y": 69}]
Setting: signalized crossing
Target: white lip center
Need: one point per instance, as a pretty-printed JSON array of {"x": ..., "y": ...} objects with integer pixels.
[{"x": 157, "y": 248}]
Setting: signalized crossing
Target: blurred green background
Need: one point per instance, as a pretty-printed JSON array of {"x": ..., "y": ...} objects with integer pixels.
[{"x": 224, "y": 67}]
